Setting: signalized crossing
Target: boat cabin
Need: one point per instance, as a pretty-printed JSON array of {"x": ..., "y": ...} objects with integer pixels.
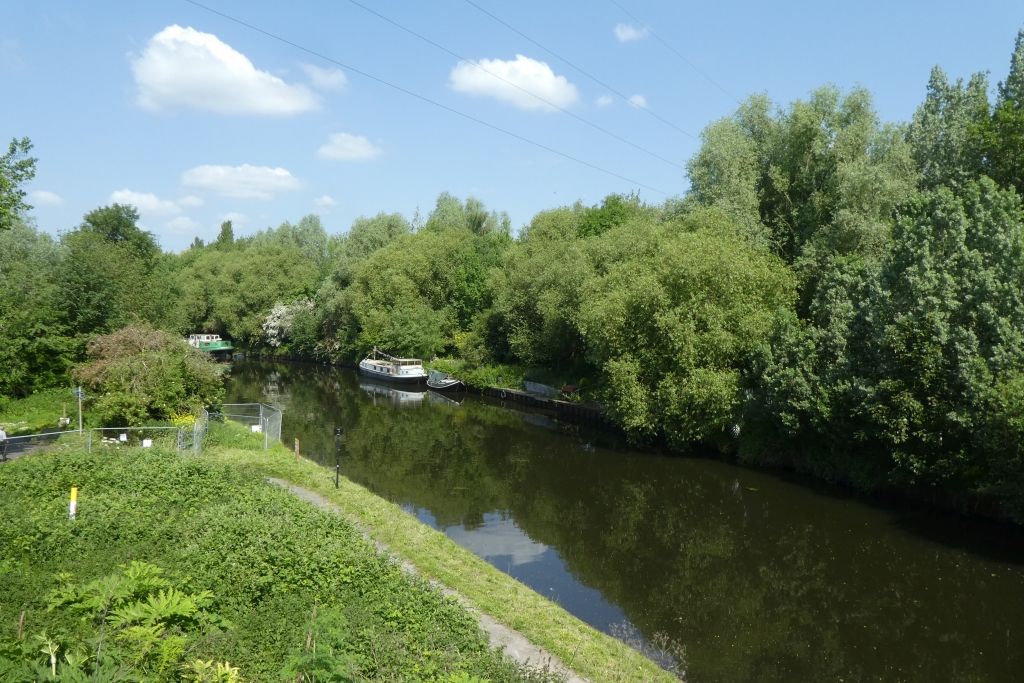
[
  {"x": 398, "y": 367},
  {"x": 209, "y": 342}
]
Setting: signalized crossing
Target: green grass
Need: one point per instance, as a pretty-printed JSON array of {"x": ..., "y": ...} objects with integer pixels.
[
  {"x": 281, "y": 572},
  {"x": 38, "y": 411},
  {"x": 594, "y": 655}
]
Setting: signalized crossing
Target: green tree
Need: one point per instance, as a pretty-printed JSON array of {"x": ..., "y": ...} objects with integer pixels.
[
  {"x": 823, "y": 176},
  {"x": 910, "y": 369},
  {"x": 1005, "y": 134},
  {"x": 142, "y": 374},
  {"x": 226, "y": 236},
  {"x": 16, "y": 169},
  {"x": 947, "y": 131},
  {"x": 106, "y": 280},
  {"x": 672, "y": 314},
  {"x": 36, "y": 349}
]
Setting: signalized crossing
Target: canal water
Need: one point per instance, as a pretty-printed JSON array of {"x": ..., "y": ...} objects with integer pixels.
[{"x": 718, "y": 572}]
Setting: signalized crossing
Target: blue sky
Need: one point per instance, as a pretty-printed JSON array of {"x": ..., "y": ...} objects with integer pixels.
[{"x": 195, "y": 118}]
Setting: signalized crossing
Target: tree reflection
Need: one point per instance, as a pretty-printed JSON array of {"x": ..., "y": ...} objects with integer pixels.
[{"x": 753, "y": 578}]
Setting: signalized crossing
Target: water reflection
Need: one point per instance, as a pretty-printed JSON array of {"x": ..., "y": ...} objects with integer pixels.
[{"x": 733, "y": 574}]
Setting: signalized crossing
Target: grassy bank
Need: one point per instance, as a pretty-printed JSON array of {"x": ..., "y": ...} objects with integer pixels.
[
  {"x": 593, "y": 654},
  {"x": 39, "y": 411},
  {"x": 176, "y": 564}
]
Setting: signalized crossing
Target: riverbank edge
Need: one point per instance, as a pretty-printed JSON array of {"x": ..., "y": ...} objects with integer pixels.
[
  {"x": 965, "y": 505},
  {"x": 593, "y": 655},
  {"x": 516, "y": 645}
]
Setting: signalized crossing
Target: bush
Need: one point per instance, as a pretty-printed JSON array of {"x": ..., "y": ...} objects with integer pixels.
[
  {"x": 259, "y": 579},
  {"x": 143, "y": 374}
]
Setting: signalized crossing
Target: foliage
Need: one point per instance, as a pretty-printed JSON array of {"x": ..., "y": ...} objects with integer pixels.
[
  {"x": 143, "y": 374},
  {"x": 410, "y": 293},
  {"x": 230, "y": 286},
  {"x": 672, "y": 314},
  {"x": 39, "y": 411},
  {"x": 36, "y": 350},
  {"x": 106, "y": 280},
  {"x": 820, "y": 177},
  {"x": 16, "y": 169},
  {"x": 253, "y": 572},
  {"x": 908, "y": 370},
  {"x": 661, "y": 307}
]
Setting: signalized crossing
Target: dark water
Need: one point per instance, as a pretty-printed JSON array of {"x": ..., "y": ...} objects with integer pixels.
[{"x": 723, "y": 573}]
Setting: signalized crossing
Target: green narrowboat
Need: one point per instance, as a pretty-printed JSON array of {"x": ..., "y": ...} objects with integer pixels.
[{"x": 210, "y": 342}]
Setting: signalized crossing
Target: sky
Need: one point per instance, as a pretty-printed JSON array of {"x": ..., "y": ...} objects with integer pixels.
[{"x": 342, "y": 111}]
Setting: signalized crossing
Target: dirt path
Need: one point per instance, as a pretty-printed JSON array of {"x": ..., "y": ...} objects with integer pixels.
[{"x": 517, "y": 647}]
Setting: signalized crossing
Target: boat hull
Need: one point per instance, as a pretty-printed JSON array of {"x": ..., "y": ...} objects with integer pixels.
[
  {"x": 448, "y": 385},
  {"x": 392, "y": 379}
]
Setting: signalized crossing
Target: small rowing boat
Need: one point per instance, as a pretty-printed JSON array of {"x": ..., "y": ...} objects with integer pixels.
[{"x": 441, "y": 381}]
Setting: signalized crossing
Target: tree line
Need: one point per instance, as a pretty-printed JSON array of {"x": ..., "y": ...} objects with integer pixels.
[{"x": 833, "y": 293}]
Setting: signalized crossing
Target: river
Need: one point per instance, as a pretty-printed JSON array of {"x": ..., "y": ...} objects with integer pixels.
[{"x": 720, "y": 573}]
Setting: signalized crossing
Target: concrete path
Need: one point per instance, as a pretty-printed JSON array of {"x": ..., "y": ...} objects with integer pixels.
[{"x": 517, "y": 647}]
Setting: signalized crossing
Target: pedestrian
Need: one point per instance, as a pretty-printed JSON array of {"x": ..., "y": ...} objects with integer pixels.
[{"x": 3, "y": 444}]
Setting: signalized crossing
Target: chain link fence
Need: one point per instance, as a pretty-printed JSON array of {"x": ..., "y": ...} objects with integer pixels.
[
  {"x": 193, "y": 438},
  {"x": 15, "y": 447},
  {"x": 260, "y": 417},
  {"x": 146, "y": 437}
]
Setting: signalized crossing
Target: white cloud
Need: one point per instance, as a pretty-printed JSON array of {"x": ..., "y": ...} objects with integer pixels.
[
  {"x": 627, "y": 32},
  {"x": 345, "y": 147},
  {"x": 145, "y": 202},
  {"x": 190, "y": 201},
  {"x": 234, "y": 217},
  {"x": 498, "y": 538},
  {"x": 325, "y": 79},
  {"x": 529, "y": 74},
  {"x": 638, "y": 101},
  {"x": 183, "y": 224},
  {"x": 604, "y": 101},
  {"x": 46, "y": 198},
  {"x": 182, "y": 67},
  {"x": 243, "y": 182},
  {"x": 325, "y": 202}
]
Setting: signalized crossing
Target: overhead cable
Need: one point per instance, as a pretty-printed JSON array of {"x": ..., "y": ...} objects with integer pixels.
[
  {"x": 676, "y": 52},
  {"x": 425, "y": 99},
  {"x": 518, "y": 87},
  {"x": 591, "y": 77}
]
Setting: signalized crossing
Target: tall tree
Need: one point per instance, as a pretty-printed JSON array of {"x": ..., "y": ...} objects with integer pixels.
[
  {"x": 947, "y": 133},
  {"x": 16, "y": 169},
  {"x": 1005, "y": 153}
]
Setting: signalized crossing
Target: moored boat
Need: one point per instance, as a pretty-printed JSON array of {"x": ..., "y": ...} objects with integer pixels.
[
  {"x": 441, "y": 381},
  {"x": 391, "y": 369},
  {"x": 211, "y": 343}
]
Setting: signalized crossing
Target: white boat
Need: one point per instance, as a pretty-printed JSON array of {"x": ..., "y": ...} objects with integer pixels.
[{"x": 391, "y": 369}]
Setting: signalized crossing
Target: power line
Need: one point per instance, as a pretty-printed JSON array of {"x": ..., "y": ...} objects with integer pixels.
[
  {"x": 677, "y": 54},
  {"x": 425, "y": 99},
  {"x": 593, "y": 78},
  {"x": 531, "y": 94}
]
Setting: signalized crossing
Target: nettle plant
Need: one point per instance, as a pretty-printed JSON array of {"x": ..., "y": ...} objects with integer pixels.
[{"x": 138, "y": 627}]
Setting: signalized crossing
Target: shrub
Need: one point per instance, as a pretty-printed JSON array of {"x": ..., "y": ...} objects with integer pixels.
[{"x": 144, "y": 374}]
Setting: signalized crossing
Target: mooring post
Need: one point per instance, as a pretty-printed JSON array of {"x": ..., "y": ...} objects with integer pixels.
[{"x": 338, "y": 431}]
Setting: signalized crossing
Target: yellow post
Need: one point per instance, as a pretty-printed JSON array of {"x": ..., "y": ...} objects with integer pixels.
[
  {"x": 296, "y": 449},
  {"x": 73, "y": 505}
]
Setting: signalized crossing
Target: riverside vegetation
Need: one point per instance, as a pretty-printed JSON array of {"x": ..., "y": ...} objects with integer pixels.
[
  {"x": 842, "y": 293},
  {"x": 197, "y": 570}
]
